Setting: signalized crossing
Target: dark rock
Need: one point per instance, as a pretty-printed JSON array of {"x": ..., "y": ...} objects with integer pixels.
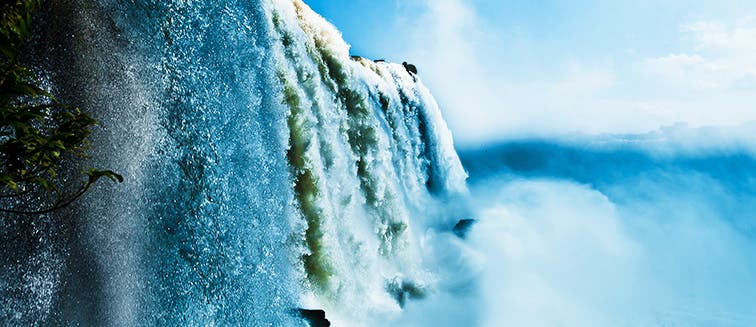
[
  {"x": 356, "y": 58},
  {"x": 316, "y": 318},
  {"x": 380, "y": 60},
  {"x": 462, "y": 228},
  {"x": 410, "y": 68},
  {"x": 403, "y": 290}
]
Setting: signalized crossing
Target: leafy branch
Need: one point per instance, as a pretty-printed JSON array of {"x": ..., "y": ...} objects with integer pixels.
[{"x": 37, "y": 132}]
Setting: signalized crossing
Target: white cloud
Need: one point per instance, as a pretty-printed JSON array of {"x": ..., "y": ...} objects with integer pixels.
[
  {"x": 723, "y": 58},
  {"x": 457, "y": 53},
  {"x": 709, "y": 82},
  {"x": 738, "y": 38}
]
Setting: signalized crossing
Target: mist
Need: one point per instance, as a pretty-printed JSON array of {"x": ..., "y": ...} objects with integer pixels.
[{"x": 611, "y": 230}]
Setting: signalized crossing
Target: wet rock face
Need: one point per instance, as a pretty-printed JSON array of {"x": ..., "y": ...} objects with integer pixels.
[
  {"x": 463, "y": 227},
  {"x": 412, "y": 69},
  {"x": 404, "y": 290},
  {"x": 316, "y": 318}
]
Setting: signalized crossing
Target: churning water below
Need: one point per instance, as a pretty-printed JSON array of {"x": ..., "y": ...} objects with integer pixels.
[{"x": 616, "y": 231}]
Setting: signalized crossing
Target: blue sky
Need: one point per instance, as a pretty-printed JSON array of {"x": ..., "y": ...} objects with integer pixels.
[{"x": 508, "y": 69}]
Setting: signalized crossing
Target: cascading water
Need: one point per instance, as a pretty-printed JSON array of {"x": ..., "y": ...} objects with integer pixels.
[
  {"x": 265, "y": 168},
  {"x": 368, "y": 149}
]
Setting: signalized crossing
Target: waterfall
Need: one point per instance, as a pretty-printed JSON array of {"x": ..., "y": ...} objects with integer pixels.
[
  {"x": 266, "y": 170},
  {"x": 368, "y": 152}
]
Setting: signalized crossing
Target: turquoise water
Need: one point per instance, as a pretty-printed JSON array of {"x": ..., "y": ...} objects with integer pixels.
[{"x": 267, "y": 170}]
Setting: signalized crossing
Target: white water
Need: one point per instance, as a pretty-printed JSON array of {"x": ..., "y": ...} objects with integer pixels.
[
  {"x": 268, "y": 170},
  {"x": 265, "y": 170},
  {"x": 374, "y": 214}
]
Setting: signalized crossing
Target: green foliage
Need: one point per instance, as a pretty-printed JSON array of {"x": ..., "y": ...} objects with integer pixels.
[
  {"x": 15, "y": 25},
  {"x": 37, "y": 132}
]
